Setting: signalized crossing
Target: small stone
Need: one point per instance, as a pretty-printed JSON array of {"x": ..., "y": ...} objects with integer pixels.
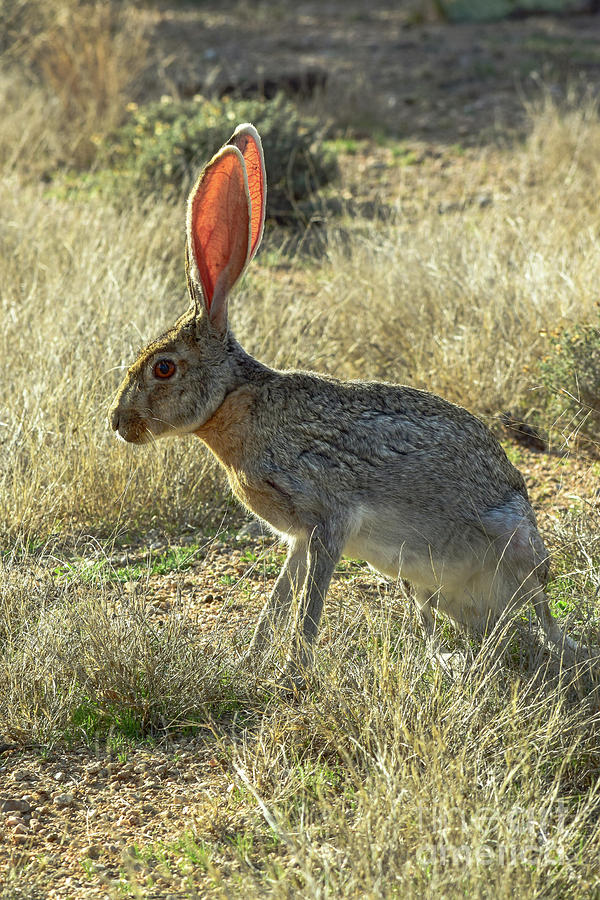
[
  {"x": 19, "y": 838},
  {"x": 22, "y": 775},
  {"x": 13, "y": 821},
  {"x": 21, "y": 828},
  {"x": 63, "y": 800},
  {"x": 59, "y": 776},
  {"x": 35, "y": 825},
  {"x": 16, "y": 805},
  {"x": 93, "y": 851}
]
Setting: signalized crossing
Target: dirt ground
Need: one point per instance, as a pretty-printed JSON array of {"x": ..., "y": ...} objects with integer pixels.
[
  {"x": 71, "y": 817},
  {"x": 440, "y": 82}
]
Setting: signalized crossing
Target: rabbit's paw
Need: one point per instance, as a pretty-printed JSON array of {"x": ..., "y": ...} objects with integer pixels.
[{"x": 293, "y": 682}]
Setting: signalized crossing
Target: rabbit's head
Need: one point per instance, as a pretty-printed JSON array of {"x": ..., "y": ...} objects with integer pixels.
[{"x": 179, "y": 380}]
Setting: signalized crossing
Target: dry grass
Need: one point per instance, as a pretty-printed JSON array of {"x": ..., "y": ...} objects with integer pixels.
[
  {"x": 456, "y": 297},
  {"x": 69, "y": 69},
  {"x": 77, "y": 304},
  {"x": 80, "y": 658},
  {"x": 459, "y": 303},
  {"x": 388, "y": 779},
  {"x": 410, "y": 785}
]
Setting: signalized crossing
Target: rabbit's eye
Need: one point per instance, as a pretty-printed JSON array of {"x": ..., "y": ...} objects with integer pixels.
[{"x": 164, "y": 368}]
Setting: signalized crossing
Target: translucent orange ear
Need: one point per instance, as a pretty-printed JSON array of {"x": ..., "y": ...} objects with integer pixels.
[
  {"x": 219, "y": 229},
  {"x": 247, "y": 139}
]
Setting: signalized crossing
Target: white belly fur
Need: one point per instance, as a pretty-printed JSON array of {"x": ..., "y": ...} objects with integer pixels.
[{"x": 469, "y": 579}]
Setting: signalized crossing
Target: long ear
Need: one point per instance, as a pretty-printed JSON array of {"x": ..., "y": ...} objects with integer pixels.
[
  {"x": 219, "y": 231},
  {"x": 247, "y": 139}
]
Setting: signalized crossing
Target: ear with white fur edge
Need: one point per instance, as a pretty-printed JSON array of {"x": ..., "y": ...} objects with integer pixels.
[
  {"x": 247, "y": 139},
  {"x": 219, "y": 232}
]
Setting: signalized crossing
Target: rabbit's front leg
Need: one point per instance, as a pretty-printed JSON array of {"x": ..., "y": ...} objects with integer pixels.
[
  {"x": 324, "y": 550},
  {"x": 425, "y": 602},
  {"x": 289, "y": 583}
]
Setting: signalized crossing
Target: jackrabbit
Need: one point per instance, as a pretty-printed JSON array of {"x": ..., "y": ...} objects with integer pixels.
[{"x": 396, "y": 476}]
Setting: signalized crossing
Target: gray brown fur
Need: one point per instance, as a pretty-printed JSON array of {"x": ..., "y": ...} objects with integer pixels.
[{"x": 413, "y": 484}]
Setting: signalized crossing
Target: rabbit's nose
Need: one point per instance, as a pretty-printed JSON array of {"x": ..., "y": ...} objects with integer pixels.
[{"x": 114, "y": 418}]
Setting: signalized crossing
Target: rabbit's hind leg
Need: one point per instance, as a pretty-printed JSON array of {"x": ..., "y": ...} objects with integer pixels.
[
  {"x": 565, "y": 645},
  {"x": 524, "y": 563},
  {"x": 580, "y": 664}
]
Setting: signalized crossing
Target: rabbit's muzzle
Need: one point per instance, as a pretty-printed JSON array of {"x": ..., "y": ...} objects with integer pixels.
[
  {"x": 114, "y": 418},
  {"x": 129, "y": 426}
]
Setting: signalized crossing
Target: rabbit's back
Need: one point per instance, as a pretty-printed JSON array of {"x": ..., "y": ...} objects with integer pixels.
[{"x": 375, "y": 442}]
